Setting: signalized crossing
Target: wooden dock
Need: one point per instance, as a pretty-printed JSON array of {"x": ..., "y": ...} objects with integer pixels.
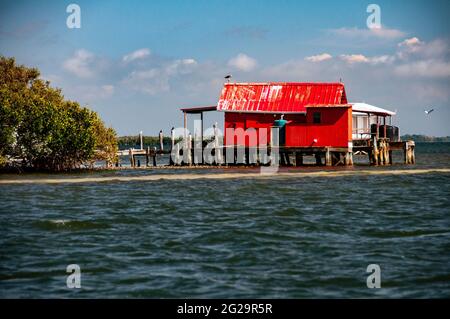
[
  {"x": 148, "y": 153},
  {"x": 379, "y": 153}
]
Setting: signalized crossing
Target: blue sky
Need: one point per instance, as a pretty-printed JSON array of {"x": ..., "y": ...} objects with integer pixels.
[{"x": 138, "y": 62}]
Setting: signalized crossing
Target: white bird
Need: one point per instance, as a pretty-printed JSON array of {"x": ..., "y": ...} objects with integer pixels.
[
  {"x": 429, "y": 111},
  {"x": 228, "y": 77}
]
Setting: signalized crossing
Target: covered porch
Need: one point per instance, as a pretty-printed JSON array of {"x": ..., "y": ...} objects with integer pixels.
[{"x": 370, "y": 122}]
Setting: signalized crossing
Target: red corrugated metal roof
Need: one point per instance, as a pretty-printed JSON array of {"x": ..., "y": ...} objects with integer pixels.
[{"x": 279, "y": 97}]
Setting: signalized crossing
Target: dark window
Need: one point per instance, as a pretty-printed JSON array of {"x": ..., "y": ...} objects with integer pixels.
[{"x": 316, "y": 118}]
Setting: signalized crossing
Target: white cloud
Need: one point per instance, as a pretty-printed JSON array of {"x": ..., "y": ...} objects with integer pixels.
[
  {"x": 107, "y": 90},
  {"x": 297, "y": 70},
  {"x": 182, "y": 66},
  {"x": 417, "y": 58},
  {"x": 409, "y": 46},
  {"x": 414, "y": 46},
  {"x": 151, "y": 81},
  {"x": 383, "y": 33},
  {"x": 80, "y": 64},
  {"x": 435, "y": 48},
  {"x": 354, "y": 58},
  {"x": 136, "y": 55},
  {"x": 427, "y": 92},
  {"x": 243, "y": 62},
  {"x": 319, "y": 57},
  {"x": 90, "y": 94},
  {"x": 424, "y": 68},
  {"x": 360, "y": 58},
  {"x": 411, "y": 42},
  {"x": 157, "y": 80},
  {"x": 381, "y": 59}
]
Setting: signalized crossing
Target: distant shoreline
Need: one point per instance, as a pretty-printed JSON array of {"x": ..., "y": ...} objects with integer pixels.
[{"x": 425, "y": 138}]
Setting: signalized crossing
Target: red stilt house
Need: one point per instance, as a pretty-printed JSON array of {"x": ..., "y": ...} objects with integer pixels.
[{"x": 317, "y": 114}]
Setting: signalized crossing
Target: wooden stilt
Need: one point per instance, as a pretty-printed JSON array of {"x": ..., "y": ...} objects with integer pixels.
[
  {"x": 405, "y": 153},
  {"x": 288, "y": 159},
  {"x": 282, "y": 158},
  {"x": 387, "y": 160},
  {"x": 318, "y": 157},
  {"x": 189, "y": 149},
  {"x": 381, "y": 159},
  {"x": 152, "y": 153},
  {"x": 131, "y": 157},
  {"x": 172, "y": 148},
  {"x": 375, "y": 152},
  {"x": 298, "y": 159},
  {"x": 328, "y": 160},
  {"x": 349, "y": 158}
]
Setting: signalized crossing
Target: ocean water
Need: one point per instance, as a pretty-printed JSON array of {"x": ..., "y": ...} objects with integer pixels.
[{"x": 231, "y": 233}]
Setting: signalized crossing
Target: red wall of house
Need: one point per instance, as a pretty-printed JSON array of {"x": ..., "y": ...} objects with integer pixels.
[{"x": 334, "y": 129}]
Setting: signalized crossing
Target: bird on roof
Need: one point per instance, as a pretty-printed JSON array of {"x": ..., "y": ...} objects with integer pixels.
[
  {"x": 427, "y": 112},
  {"x": 228, "y": 77}
]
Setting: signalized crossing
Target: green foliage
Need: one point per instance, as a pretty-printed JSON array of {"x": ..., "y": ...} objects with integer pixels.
[
  {"x": 106, "y": 141},
  {"x": 126, "y": 142},
  {"x": 39, "y": 129}
]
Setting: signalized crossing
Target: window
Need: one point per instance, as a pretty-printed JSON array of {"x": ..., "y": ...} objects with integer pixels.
[{"x": 316, "y": 118}]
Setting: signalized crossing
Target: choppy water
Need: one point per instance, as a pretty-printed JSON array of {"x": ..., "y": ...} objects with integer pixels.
[{"x": 301, "y": 234}]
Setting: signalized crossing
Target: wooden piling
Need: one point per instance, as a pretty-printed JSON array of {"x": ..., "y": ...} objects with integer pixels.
[
  {"x": 349, "y": 158},
  {"x": 189, "y": 149},
  {"x": 288, "y": 158},
  {"x": 408, "y": 151},
  {"x": 387, "y": 160},
  {"x": 328, "y": 158},
  {"x": 141, "y": 140},
  {"x": 381, "y": 160},
  {"x": 298, "y": 159},
  {"x": 318, "y": 157},
  {"x": 375, "y": 152},
  {"x": 413, "y": 153},
  {"x": 131, "y": 157}
]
